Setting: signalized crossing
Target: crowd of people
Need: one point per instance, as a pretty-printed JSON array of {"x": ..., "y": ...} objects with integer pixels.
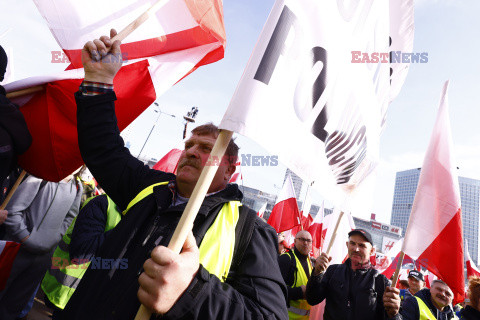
[{"x": 104, "y": 257}]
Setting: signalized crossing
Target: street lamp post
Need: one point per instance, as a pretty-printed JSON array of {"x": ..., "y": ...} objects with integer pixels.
[
  {"x": 190, "y": 117},
  {"x": 154, "y": 124}
]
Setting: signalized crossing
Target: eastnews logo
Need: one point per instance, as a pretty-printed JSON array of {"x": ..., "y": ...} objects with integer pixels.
[
  {"x": 389, "y": 57},
  {"x": 96, "y": 263},
  {"x": 61, "y": 57},
  {"x": 248, "y": 160}
]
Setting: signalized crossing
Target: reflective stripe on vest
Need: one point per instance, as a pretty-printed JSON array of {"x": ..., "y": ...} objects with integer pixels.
[
  {"x": 63, "y": 277},
  {"x": 299, "y": 309},
  {"x": 142, "y": 194},
  {"x": 425, "y": 312}
]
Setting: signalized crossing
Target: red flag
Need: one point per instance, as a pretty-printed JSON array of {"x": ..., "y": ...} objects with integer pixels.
[
  {"x": 261, "y": 212},
  {"x": 316, "y": 229},
  {"x": 169, "y": 161},
  {"x": 472, "y": 269},
  {"x": 8, "y": 252},
  {"x": 434, "y": 232},
  {"x": 285, "y": 214}
]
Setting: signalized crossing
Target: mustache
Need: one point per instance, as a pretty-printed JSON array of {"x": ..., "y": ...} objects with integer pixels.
[{"x": 189, "y": 162}]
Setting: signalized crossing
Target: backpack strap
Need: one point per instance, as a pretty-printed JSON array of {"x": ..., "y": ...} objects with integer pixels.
[{"x": 243, "y": 235}]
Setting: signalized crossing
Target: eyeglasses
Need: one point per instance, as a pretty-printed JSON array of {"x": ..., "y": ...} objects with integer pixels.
[{"x": 304, "y": 240}]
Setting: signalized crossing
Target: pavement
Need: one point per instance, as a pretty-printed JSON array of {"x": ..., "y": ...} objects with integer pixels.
[{"x": 39, "y": 310}]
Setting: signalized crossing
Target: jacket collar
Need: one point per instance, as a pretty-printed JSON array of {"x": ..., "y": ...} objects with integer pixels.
[{"x": 470, "y": 313}]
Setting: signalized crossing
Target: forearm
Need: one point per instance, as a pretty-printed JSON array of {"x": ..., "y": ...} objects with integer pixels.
[{"x": 317, "y": 289}]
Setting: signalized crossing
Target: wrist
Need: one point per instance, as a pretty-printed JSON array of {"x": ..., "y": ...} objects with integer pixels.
[{"x": 98, "y": 78}]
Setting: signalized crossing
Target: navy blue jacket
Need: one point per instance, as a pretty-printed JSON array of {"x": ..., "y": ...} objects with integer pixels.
[{"x": 410, "y": 309}]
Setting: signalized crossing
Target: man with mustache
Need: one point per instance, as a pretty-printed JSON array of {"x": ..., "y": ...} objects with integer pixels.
[
  {"x": 353, "y": 290},
  {"x": 433, "y": 303},
  {"x": 228, "y": 265}
]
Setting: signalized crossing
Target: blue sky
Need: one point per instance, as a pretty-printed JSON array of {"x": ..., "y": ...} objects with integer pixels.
[{"x": 447, "y": 29}]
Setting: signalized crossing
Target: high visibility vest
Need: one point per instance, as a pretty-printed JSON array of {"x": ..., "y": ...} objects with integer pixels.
[
  {"x": 425, "y": 312},
  {"x": 63, "y": 277},
  {"x": 299, "y": 309}
]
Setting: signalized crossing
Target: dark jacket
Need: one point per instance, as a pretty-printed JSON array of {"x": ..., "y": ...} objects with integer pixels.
[
  {"x": 15, "y": 138},
  {"x": 410, "y": 310},
  {"x": 89, "y": 232},
  {"x": 255, "y": 290},
  {"x": 469, "y": 313},
  {"x": 350, "y": 295},
  {"x": 288, "y": 268}
]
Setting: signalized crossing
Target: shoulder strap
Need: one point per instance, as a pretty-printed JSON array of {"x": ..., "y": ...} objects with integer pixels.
[{"x": 243, "y": 234}]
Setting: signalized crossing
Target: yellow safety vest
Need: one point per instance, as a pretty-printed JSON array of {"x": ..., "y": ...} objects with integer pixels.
[
  {"x": 63, "y": 277},
  {"x": 300, "y": 309},
  {"x": 425, "y": 312}
]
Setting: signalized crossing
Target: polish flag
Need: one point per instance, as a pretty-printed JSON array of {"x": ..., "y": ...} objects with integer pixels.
[
  {"x": 169, "y": 162},
  {"x": 316, "y": 229},
  {"x": 305, "y": 214},
  {"x": 262, "y": 210},
  {"x": 472, "y": 269},
  {"x": 388, "y": 259},
  {"x": 434, "y": 232},
  {"x": 180, "y": 37},
  {"x": 285, "y": 214},
  {"x": 8, "y": 252}
]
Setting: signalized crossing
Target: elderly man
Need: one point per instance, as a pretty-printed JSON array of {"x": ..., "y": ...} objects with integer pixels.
[
  {"x": 433, "y": 303},
  {"x": 353, "y": 290},
  {"x": 296, "y": 268},
  {"x": 213, "y": 277},
  {"x": 415, "y": 283}
]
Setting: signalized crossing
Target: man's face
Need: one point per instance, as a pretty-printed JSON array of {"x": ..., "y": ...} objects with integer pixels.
[
  {"x": 303, "y": 242},
  {"x": 415, "y": 285},
  {"x": 192, "y": 160},
  {"x": 441, "y": 295},
  {"x": 359, "y": 249}
]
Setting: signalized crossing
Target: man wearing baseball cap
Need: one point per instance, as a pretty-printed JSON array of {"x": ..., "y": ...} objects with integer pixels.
[
  {"x": 353, "y": 290},
  {"x": 416, "y": 283}
]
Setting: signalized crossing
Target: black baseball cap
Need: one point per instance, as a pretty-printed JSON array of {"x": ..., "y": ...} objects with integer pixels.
[
  {"x": 416, "y": 274},
  {"x": 363, "y": 233}
]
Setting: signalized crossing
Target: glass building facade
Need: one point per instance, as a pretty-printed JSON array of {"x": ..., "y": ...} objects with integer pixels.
[{"x": 405, "y": 187}]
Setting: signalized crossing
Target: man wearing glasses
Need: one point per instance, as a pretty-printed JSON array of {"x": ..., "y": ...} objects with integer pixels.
[{"x": 296, "y": 268}]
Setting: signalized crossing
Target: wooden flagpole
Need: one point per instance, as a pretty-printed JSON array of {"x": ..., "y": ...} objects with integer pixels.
[
  {"x": 334, "y": 235},
  {"x": 188, "y": 217},
  {"x": 397, "y": 271},
  {"x": 12, "y": 191},
  {"x": 120, "y": 36}
]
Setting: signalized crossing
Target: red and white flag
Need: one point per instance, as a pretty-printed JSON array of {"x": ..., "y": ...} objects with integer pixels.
[
  {"x": 316, "y": 229},
  {"x": 472, "y": 269},
  {"x": 261, "y": 212},
  {"x": 177, "y": 39},
  {"x": 8, "y": 252},
  {"x": 285, "y": 214},
  {"x": 169, "y": 162},
  {"x": 434, "y": 233}
]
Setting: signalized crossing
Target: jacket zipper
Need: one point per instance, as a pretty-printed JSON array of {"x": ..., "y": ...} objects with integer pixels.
[{"x": 152, "y": 229}]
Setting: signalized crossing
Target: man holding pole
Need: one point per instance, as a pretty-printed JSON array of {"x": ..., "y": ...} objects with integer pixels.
[
  {"x": 353, "y": 290},
  {"x": 296, "y": 268},
  {"x": 227, "y": 268}
]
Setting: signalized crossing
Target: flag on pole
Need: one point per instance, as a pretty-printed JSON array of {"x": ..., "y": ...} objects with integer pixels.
[
  {"x": 261, "y": 212},
  {"x": 8, "y": 252},
  {"x": 434, "y": 233},
  {"x": 316, "y": 229},
  {"x": 302, "y": 98},
  {"x": 285, "y": 214},
  {"x": 472, "y": 269},
  {"x": 180, "y": 37}
]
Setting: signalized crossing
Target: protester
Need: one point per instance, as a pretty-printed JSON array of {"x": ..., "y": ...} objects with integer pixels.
[
  {"x": 219, "y": 280},
  {"x": 472, "y": 310},
  {"x": 296, "y": 269},
  {"x": 433, "y": 303},
  {"x": 353, "y": 290},
  {"x": 416, "y": 283},
  {"x": 15, "y": 138},
  {"x": 78, "y": 246},
  {"x": 402, "y": 285},
  {"x": 39, "y": 214}
]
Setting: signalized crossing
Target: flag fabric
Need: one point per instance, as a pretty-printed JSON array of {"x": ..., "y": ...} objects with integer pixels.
[
  {"x": 303, "y": 99},
  {"x": 285, "y": 214},
  {"x": 8, "y": 252},
  {"x": 177, "y": 39},
  {"x": 472, "y": 269},
  {"x": 306, "y": 221},
  {"x": 434, "y": 233},
  {"x": 169, "y": 162},
  {"x": 261, "y": 212},
  {"x": 339, "y": 250},
  {"x": 386, "y": 260},
  {"x": 316, "y": 229}
]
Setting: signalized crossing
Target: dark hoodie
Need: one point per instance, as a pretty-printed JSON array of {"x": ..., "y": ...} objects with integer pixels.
[{"x": 410, "y": 310}]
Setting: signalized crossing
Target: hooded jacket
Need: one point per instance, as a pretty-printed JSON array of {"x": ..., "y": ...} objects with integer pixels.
[{"x": 410, "y": 310}]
